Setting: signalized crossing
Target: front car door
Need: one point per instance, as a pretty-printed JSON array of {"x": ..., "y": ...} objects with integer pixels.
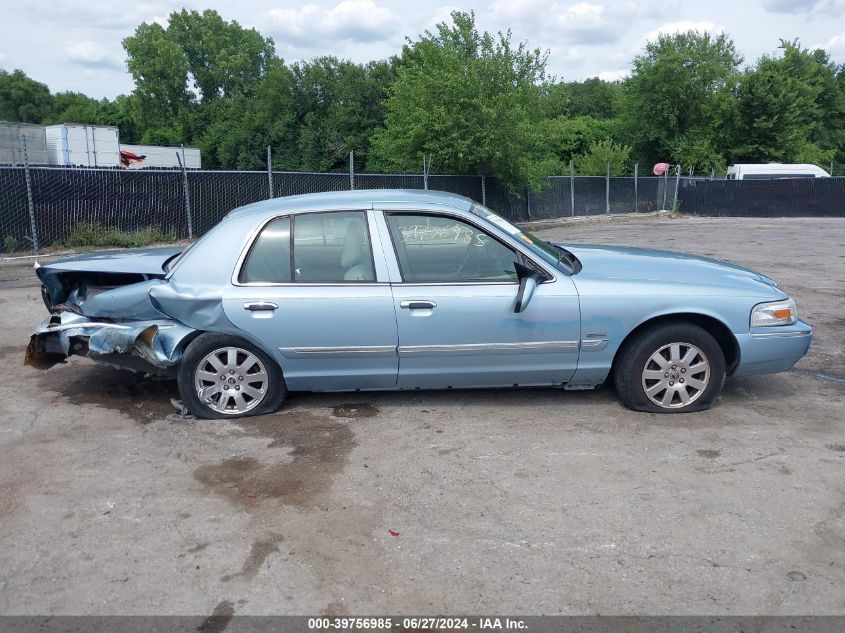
[
  {"x": 311, "y": 288},
  {"x": 454, "y": 290}
]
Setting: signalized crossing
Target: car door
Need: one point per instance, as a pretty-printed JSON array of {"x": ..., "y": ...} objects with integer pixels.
[
  {"x": 454, "y": 300},
  {"x": 310, "y": 288}
]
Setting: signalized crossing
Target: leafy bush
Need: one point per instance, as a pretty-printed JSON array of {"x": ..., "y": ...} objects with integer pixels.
[
  {"x": 93, "y": 234},
  {"x": 594, "y": 161},
  {"x": 10, "y": 243}
]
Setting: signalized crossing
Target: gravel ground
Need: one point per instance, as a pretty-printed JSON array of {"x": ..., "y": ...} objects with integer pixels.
[{"x": 524, "y": 502}]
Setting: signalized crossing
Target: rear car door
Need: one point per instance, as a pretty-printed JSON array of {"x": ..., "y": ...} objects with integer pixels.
[
  {"x": 454, "y": 300},
  {"x": 310, "y": 288}
]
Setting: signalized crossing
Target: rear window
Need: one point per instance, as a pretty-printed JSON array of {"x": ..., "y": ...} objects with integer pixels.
[{"x": 268, "y": 260}]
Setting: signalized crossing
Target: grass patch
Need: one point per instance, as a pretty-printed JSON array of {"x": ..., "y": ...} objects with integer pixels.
[{"x": 93, "y": 234}]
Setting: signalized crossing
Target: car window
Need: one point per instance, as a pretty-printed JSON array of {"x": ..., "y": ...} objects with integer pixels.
[
  {"x": 332, "y": 247},
  {"x": 268, "y": 261},
  {"x": 433, "y": 248}
]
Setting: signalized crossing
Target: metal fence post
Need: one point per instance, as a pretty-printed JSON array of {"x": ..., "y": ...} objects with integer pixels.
[
  {"x": 665, "y": 188},
  {"x": 572, "y": 188},
  {"x": 636, "y": 190},
  {"x": 484, "y": 190},
  {"x": 29, "y": 196},
  {"x": 269, "y": 172},
  {"x": 677, "y": 182},
  {"x": 352, "y": 170},
  {"x": 831, "y": 168},
  {"x": 187, "y": 195},
  {"x": 528, "y": 203},
  {"x": 426, "y": 169},
  {"x": 607, "y": 190}
]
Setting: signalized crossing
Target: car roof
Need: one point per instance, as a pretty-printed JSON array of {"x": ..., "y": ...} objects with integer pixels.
[{"x": 359, "y": 198}]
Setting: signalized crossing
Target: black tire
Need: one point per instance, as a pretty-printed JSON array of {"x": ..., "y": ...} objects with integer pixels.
[
  {"x": 635, "y": 358},
  {"x": 209, "y": 342}
]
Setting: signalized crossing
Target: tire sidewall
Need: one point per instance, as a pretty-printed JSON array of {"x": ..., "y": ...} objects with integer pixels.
[
  {"x": 629, "y": 372},
  {"x": 203, "y": 345}
]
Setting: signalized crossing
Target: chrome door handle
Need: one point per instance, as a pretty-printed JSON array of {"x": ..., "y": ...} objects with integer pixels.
[
  {"x": 255, "y": 306},
  {"x": 417, "y": 304}
]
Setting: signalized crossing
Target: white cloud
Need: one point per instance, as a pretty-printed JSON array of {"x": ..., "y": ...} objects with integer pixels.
[
  {"x": 835, "y": 46},
  {"x": 587, "y": 23},
  {"x": 805, "y": 6},
  {"x": 682, "y": 26},
  {"x": 614, "y": 75},
  {"x": 351, "y": 20},
  {"x": 93, "y": 55},
  {"x": 105, "y": 14}
]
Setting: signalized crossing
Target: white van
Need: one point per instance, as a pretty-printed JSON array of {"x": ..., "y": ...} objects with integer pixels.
[{"x": 774, "y": 171}]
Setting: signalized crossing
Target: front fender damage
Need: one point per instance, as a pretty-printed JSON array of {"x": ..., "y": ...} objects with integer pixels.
[{"x": 153, "y": 346}]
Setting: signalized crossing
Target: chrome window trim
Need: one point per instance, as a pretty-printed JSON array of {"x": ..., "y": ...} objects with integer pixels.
[{"x": 512, "y": 245}]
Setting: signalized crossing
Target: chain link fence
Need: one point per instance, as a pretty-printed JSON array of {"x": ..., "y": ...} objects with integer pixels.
[{"x": 44, "y": 207}]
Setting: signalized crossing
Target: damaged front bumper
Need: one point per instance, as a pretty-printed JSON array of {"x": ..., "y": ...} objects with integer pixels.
[{"x": 153, "y": 346}]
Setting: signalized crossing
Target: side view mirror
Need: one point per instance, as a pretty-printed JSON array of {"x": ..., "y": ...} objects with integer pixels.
[{"x": 528, "y": 280}]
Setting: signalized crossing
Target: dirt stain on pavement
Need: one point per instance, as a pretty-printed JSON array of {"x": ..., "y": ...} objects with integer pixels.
[
  {"x": 838, "y": 448},
  {"x": 708, "y": 453},
  {"x": 319, "y": 447},
  {"x": 144, "y": 399},
  {"x": 258, "y": 553},
  {"x": 14, "y": 353},
  {"x": 355, "y": 410},
  {"x": 219, "y": 618}
]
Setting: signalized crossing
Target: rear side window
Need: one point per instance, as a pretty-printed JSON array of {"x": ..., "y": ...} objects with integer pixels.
[
  {"x": 269, "y": 258},
  {"x": 327, "y": 247},
  {"x": 332, "y": 247}
]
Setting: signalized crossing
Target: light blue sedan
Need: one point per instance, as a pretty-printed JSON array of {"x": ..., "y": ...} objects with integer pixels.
[{"x": 392, "y": 289}]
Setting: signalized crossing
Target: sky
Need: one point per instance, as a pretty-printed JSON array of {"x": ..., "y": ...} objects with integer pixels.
[{"x": 76, "y": 44}]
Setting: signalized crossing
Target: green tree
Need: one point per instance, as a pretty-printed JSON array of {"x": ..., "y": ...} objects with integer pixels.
[
  {"x": 235, "y": 131},
  {"x": 338, "y": 105},
  {"x": 566, "y": 137},
  {"x": 197, "y": 59},
  {"x": 593, "y": 97},
  {"x": 790, "y": 108},
  {"x": 223, "y": 58},
  {"x": 471, "y": 101},
  {"x": 74, "y": 107},
  {"x": 23, "y": 99},
  {"x": 677, "y": 90},
  {"x": 595, "y": 161}
]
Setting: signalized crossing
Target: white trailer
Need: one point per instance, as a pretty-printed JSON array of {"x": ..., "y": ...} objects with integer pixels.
[
  {"x": 72, "y": 144},
  {"x": 157, "y": 156},
  {"x": 11, "y": 145},
  {"x": 774, "y": 171}
]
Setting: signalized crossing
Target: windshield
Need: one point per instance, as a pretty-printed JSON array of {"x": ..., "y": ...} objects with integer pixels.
[{"x": 539, "y": 247}]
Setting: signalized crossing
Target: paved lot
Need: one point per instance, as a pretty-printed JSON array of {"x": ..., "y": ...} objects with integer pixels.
[{"x": 535, "y": 501}]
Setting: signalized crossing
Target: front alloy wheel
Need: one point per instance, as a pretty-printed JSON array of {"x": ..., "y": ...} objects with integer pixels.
[
  {"x": 671, "y": 367},
  {"x": 676, "y": 375}
]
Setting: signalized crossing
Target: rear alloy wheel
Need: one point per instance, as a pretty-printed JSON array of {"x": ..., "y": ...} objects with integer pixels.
[
  {"x": 670, "y": 368},
  {"x": 222, "y": 376}
]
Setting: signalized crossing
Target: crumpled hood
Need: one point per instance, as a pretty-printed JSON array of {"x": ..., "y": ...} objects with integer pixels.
[{"x": 644, "y": 264}]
